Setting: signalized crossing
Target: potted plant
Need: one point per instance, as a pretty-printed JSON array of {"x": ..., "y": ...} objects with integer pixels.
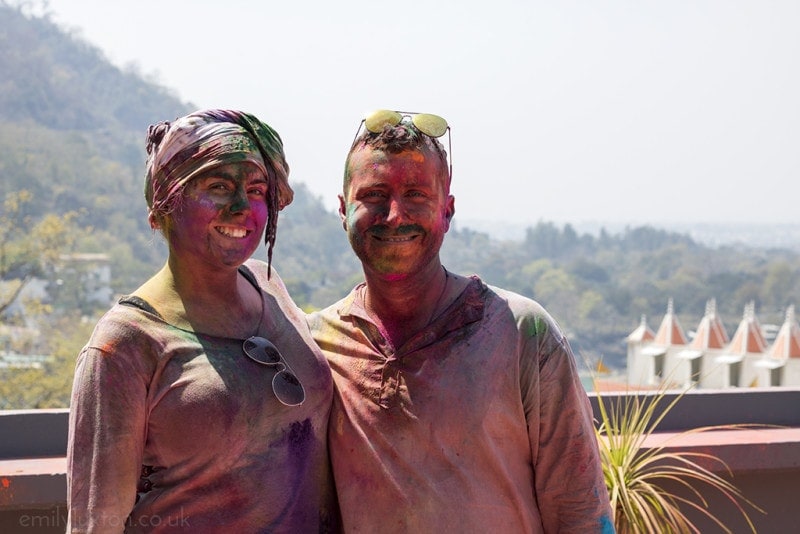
[{"x": 638, "y": 477}]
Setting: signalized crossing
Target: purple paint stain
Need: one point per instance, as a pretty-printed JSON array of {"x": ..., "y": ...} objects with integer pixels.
[{"x": 300, "y": 437}]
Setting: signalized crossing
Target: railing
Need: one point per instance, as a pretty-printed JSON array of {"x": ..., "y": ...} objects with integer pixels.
[
  {"x": 765, "y": 461},
  {"x": 33, "y": 486}
]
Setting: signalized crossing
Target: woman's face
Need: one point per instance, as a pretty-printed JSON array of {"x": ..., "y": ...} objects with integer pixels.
[{"x": 221, "y": 217}]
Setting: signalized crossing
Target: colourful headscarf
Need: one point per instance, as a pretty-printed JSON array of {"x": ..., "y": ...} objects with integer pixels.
[{"x": 181, "y": 150}]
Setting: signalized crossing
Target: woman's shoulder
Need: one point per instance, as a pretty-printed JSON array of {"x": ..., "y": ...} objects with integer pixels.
[
  {"x": 259, "y": 272},
  {"x": 271, "y": 285},
  {"x": 129, "y": 323},
  {"x": 265, "y": 277}
]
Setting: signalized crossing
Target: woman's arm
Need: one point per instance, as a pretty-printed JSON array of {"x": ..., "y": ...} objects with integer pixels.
[{"x": 106, "y": 440}]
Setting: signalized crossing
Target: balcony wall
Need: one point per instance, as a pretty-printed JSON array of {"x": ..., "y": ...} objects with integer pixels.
[
  {"x": 33, "y": 485},
  {"x": 765, "y": 461}
]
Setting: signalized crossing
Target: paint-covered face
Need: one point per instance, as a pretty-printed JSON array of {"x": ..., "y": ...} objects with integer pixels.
[
  {"x": 221, "y": 218},
  {"x": 396, "y": 211}
]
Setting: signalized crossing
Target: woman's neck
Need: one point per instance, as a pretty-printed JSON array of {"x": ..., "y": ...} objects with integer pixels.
[{"x": 222, "y": 304}]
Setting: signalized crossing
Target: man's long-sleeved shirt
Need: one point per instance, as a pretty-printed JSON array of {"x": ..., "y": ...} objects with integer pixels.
[{"x": 479, "y": 423}]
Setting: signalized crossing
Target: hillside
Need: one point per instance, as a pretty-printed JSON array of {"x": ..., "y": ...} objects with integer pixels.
[
  {"x": 72, "y": 129},
  {"x": 72, "y": 133}
]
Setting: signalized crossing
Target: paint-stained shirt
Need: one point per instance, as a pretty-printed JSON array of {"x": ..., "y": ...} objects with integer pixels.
[
  {"x": 193, "y": 423},
  {"x": 479, "y": 423}
]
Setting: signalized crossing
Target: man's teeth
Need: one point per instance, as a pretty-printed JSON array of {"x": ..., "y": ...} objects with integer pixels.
[
  {"x": 232, "y": 232},
  {"x": 397, "y": 239}
]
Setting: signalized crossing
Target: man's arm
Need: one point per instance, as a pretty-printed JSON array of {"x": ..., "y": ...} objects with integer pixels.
[{"x": 568, "y": 478}]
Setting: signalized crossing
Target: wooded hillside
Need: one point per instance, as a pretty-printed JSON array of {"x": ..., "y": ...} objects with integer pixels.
[{"x": 72, "y": 134}]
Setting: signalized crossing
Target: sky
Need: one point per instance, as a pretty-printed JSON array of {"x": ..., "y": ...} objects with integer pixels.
[{"x": 610, "y": 111}]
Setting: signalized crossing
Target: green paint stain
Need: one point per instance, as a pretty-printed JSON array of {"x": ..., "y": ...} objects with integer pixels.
[{"x": 537, "y": 328}]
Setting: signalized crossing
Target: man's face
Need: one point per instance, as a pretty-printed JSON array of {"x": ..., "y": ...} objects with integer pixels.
[{"x": 396, "y": 211}]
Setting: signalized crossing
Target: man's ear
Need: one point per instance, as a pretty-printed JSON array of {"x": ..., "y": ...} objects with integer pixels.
[
  {"x": 449, "y": 210},
  {"x": 343, "y": 212}
]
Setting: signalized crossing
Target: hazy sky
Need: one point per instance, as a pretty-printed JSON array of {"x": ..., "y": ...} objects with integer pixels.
[{"x": 626, "y": 111}]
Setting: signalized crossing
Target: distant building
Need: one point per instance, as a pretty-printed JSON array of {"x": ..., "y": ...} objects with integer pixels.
[
  {"x": 35, "y": 289},
  {"x": 85, "y": 277},
  {"x": 92, "y": 273},
  {"x": 711, "y": 359}
]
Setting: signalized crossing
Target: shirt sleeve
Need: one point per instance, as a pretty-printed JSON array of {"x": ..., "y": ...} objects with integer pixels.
[
  {"x": 106, "y": 440},
  {"x": 568, "y": 477}
]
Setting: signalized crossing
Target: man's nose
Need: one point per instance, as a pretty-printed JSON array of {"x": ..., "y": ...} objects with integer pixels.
[{"x": 396, "y": 212}]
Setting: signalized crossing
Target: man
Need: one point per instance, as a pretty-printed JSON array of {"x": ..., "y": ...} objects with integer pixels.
[{"x": 458, "y": 405}]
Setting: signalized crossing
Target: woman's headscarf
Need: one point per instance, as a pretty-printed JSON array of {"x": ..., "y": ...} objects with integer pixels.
[{"x": 181, "y": 150}]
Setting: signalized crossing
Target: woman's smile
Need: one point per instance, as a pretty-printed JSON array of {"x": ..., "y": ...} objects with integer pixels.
[{"x": 236, "y": 232}]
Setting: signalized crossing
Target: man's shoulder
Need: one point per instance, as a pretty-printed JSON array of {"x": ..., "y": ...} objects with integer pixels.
[
  {"x": 530, "y": 316},
  {"x": 331, "y": 312},
  {"x": 516, "y": 301}
]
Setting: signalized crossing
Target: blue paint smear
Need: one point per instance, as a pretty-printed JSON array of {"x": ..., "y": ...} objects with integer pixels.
[{"x": 606, "y": 525}]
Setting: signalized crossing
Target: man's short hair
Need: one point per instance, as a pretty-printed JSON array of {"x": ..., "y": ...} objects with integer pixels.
[{"x": 397, "y": 139}]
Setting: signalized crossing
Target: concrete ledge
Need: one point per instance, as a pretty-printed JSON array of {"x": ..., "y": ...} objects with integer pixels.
[
  {"x": 33, "y": 467},
  {"x": 743, "y": 450},
  {"x": 33, "y": 482},
  {"x": 710, "y": 407}
]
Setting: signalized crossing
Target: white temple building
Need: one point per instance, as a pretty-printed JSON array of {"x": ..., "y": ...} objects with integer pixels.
[{"x": 711, "y": 359}]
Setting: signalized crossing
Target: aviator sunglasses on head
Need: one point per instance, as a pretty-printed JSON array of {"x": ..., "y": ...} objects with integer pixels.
[
  {"x": 285, "y": 384},
  {"x": 427, "y": 123}
]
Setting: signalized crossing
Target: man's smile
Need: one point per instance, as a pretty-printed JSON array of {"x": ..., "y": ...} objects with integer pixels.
[{"x": 395, "y": 239}]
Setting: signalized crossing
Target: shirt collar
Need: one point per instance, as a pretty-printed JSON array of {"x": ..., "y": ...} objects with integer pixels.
[{"x": 467, "y": 308}]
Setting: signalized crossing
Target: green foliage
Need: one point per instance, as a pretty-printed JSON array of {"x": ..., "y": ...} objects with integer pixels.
[
  {"x": 312, "y": 254},
  {"x": 54, "y": 78},
  {"x": 48, "y": 385},
  {"x": 27, "y": 247},
  {"x": 72, "y": 160},
  {"x": 637, "y": 476}
]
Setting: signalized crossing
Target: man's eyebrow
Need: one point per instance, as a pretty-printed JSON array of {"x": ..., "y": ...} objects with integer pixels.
[{"x": 373, "y": 184}]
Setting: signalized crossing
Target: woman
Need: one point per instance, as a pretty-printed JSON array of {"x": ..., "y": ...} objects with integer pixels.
[{"x": 200, "y": 402}]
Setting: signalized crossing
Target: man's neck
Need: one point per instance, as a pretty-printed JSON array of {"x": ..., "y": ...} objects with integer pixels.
[{"x": 403, "y": 307}]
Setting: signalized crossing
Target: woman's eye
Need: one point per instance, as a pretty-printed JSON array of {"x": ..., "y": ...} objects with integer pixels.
[
  {"x": 257, "y": 191},
  {"x": 218, "y": 186}
]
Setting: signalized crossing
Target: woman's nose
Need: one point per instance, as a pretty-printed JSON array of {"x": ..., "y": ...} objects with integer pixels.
[{"x": 240, "y": 202}]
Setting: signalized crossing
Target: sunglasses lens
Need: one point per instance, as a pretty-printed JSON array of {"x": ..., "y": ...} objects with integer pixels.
[
  {"x": 262, "y": 350},
  {"x": 286, "y": 386},
  {"x": 375, "y": 121},
  {"x": 431, "y": 125},
  {"x": 288, "y": 389}
]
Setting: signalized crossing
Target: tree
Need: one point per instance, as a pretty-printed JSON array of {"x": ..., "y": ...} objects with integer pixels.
[
  {"x": 29, "y": 248},
  {"x": 49, "y": 383}
]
